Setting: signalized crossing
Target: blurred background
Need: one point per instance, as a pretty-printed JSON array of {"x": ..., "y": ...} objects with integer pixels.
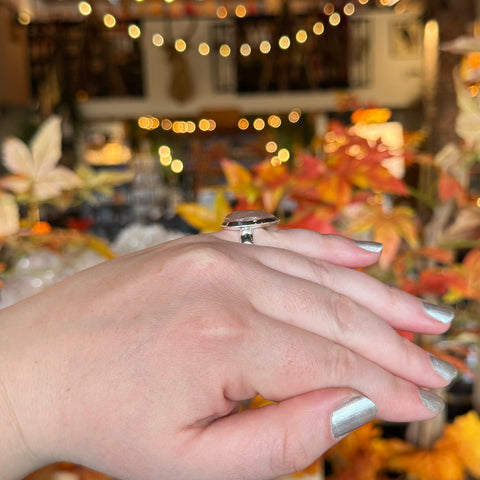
[{"x": 126, "y": 123}]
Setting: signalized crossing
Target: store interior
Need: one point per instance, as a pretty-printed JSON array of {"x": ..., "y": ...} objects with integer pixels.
[{"x": 359, "y": 118}]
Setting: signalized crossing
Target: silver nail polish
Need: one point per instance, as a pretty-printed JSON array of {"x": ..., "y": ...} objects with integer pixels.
[
  {"x": 374, "y": 247},
  {"x": 446, "y": 370},
  {"x": 441, "y": 314},
  {"x": 356, "y": 412},
  {"x": 431, "y": 401}
]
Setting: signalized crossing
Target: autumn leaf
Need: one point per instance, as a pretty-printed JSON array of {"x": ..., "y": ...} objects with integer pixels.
[
  {"x": 429, "y": 465},
  {"x": 34, "y": 168},
  {"x": 203, "y": 218},
  {"x": 448, "y": 187},
  {"x": 388, "y": 227},
  {"x": 462, "y": 436}
]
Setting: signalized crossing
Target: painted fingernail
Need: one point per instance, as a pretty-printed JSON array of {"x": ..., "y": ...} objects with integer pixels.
[
  {"x": 441, "y": 314},
  {"x": 374, "y": 247},
  {"x": 446, "y": 370},
  {"x": 356, "y": 412},
  {"x": 431, "y": 401}
]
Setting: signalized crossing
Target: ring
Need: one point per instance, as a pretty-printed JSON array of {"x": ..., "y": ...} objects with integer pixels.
[{"x": 246, "y": 221}]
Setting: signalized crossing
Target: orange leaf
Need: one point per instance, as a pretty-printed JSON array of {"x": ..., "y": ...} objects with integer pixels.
[
  {"x": 235, "y": 173},
  {"x": 448, "y": 187}
]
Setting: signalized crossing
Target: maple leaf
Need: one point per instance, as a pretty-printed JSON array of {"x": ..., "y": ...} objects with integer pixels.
[
  {"x": 462, "y": 436},
  {"x": 203, "y": 218},
  {"x": 388, "y": 227},
  {"x": 35, "y": 170}
]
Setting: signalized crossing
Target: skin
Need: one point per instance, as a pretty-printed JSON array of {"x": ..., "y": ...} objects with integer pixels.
[{"x": 136, "y": 367}]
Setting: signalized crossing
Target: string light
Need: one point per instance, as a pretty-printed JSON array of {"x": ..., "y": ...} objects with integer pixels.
[
  {"x": 109, "y": 20},
  {"x": 294, "y": 115},
  {"x": 245, "y": 49},
  {"x": 224, "y": 50},
  {"x": 318, "y": 28},
  {"x": 349, "y": 9},
  {"x": 259, "y": 124},
  {"x": 283, "y": 155},
  {"x": 85, "y": 8},
  {"x": 301, "y": 36},
  {"x": 265, "y": 46},
  {"x": 334, "y": 19},
  {"x": 134, "y": 31},
  {"x": 243, "y": 124},
  {"x": 158, "y": 40},
  {"x": 222, "y": 12},
  {"x": 271, "y": 147},
  {"x": 275, "y": 161},
  {"x": 204, "y": 125},
  {"x": 274, "y": 121},
  {"x": 284, "y": 42},
  {"x": 203, "y": 48},
  {"x": 180, "y": 45},
  {"x": 166, "y": 124},
  {"x": 177, "y": 166},
  {"x": 240, "y": 11},
  {"x": 329, "y": 8}
]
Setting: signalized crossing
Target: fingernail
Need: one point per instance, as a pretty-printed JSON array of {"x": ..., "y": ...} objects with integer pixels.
[
  {"x": 441, "y": 314},
  {"x": 431, "y": 401},
  {"x": 356, "y": 412},
  {"x": 446, "y": 370},
  {"x": 374, "y": 247}
]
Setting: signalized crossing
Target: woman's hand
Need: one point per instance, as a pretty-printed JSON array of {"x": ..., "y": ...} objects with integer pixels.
[{"x": 137, "y": 367}]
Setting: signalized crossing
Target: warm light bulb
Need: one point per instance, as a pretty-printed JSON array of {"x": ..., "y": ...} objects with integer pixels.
[
  {"x": 245, "y": 49},
  {"x": 224, "y": 50},
  {"x": 271, "y": 147},
  {"x": 259, "y": 124},
  {"x": 180, "y": 45},
  {"x": 265, "y": 46},
  {"x": 318, "y": 28},
  {"x": 177, "y": 166},
  {"x": 164, "y": 150},
  {"x": 222, "y": 12},
  {"x": 334, "y": 19},
  {"x": 294, "y": 115},
  {"x": 109, "y": 20},
  {"x": 158, "y": 40},
  {"x": 243, "y": 124},
  {"x": 349, "y": 9},
  {"x": 240, "y": 11},
  {"x": 283, "y": 155},
  {"x": 284, "y": 42},
  {"x": 203, "y": 48},
  {"x": 85, "y": 8},
  {"x": 134, "y": 31},
  {"x": 301, "y": 36},
  {"x": 329, "y": 8},
  {"x": 274, "y": 121}
]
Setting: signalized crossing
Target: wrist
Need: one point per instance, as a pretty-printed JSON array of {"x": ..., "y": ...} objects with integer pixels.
[{"x": 17, "y": 457}]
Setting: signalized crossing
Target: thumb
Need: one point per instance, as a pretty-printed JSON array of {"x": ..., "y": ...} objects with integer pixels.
[{"x": 282, "y": 438}]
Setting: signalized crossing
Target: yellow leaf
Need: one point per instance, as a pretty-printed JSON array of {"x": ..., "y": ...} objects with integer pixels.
[
  {"x": 463, "y": 437},
  {"x": 203, "y": 218}
]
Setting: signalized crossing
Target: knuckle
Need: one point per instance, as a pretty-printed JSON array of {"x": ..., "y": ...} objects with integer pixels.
[
  {"x": 342, "y": 363},
  {"x": 202, "y": 260},
  {"x": 289, "y": 453},
  {"x": 323, "y": 273},
  {"x": 343, "y": 310}
]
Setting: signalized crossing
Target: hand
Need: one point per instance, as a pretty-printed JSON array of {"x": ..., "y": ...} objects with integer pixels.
[{"x": 136, "y": 367}]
